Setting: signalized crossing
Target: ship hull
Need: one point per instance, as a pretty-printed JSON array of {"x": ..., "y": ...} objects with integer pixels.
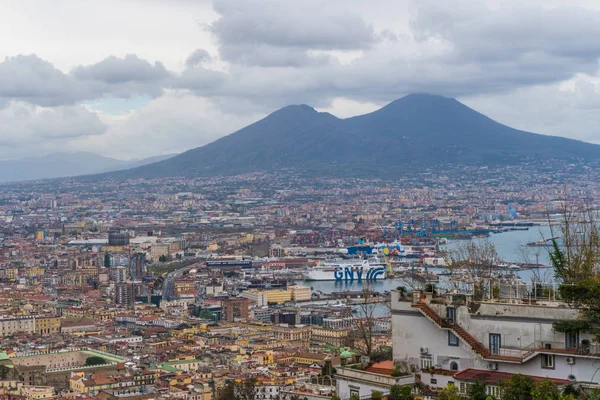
[{"x": 346, "y": 274}]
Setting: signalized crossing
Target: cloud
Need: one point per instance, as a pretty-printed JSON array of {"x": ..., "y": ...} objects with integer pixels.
[
  {"x": 29, "y": 78},
  {"x": 197, "y": 57},
  {"x": 275, "y": 33},
  {"x": 113, "y": 70},
  {"x": 569, "y": 108},
  {"x": 255, "y": 56},
  {"x": 170, "y": 124},
  {"x": 26, "y": 129}
]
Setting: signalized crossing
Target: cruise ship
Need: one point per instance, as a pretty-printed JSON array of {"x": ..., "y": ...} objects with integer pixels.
[{"x": 346, "y": 270}]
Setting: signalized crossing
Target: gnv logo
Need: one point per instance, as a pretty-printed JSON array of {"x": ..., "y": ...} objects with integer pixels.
[{"x": 352, "y": 273}]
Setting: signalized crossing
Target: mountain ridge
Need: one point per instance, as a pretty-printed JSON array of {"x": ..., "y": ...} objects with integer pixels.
[
  {"x": 414, "y": 132},
  {"x": 63, "y": 164}
]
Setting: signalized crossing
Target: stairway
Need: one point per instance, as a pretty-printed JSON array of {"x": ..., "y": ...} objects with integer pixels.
[{"x": 462, "y": 334}]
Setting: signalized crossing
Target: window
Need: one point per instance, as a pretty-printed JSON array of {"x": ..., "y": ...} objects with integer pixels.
[
  {"x": 462, "y": 388},
  {"x": 495, "y": 344},
  {"x": 426, "y": 363},
  {"x": 433, "y": 381},
  {"x": 548, "y": 361},
  {"x": 571, "y": 339},
  {"x": 451, "y": 315},
  {"x": 453, "y": 366},
  {"x": 493, "y": 391},
  {"x": 452, "y": 339},
  {"x": 354, "y": 392}
]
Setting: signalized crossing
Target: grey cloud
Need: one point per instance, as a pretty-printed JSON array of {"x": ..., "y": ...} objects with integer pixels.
[
  {"x": 197, "y": 57},
  {"x": 29, "y": 129},
  {"x": 456, "y": 48},
  {"x": 267, "y": 32},
  {"x": 202, "y": 81},
  {"x": 123, "y": 77},
  {"x": 113, "y": 70},
  {"x": 29, "y": 78},
  {"x": 518, "y": 30},
  {"x": 265, "y": 55}
]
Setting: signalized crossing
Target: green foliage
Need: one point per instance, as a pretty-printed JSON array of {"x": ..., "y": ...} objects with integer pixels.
[
  {"x": 334, "y": 397},
  {"x": 4, "y": 371},
  {"x": 396, "y": 372},
  {"x": 355, "y": 397},
  {"x": 576, "y": 392},
  {"x": 401, "y": 392},
  {"x": 376, "y": 395},
  {"x": 545, "y": 390},
  {"x": 578, "y": 256},
  {"x": 476, "y": 391},
  {"x": 496, "y": 292},
  {"x": 106, "y": 260},
  {"x": 162, "y": 258},
  {"x": 575, "y": 325},
  {"x": 518, "y": 387},
  {"x": 584, "y": 295},
  {"x": 228, "y": 393},
  {"x": 558, "y": 261},
  {"x": 450, "y": 392},
  {"x": 430, "y": 288},
  {"x": 95, "y": 360},
  {"x": 381, "y": 354}
]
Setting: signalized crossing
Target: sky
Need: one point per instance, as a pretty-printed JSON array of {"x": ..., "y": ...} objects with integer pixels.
[{"x": 138, "y": 78}]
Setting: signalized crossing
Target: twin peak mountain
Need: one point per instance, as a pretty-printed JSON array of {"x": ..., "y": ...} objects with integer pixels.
[{"x": 410, "y": 134}]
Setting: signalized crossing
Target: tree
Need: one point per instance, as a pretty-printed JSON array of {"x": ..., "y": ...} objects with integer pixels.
[
  {"x": 476, "y": 391},
  {"x": 95, "y": 360},
  {"x": 376, "y": 395},
  {"x": 576, "y": 265},
  {"x": 401, "y": 392},
  {"x": 4, "y": 371},
  {"x": 364, "y": 322},
  {"x": 450, "y": 392},
  {"x": 227, "y": 393},
  {"x": 517, "y": 387},
  {"x": 545, "y": 390},
  {"x": 578, "y": 257},
  {"x": 477, "y": 261},
  {"x": 246, "y": 390},
  {"x": 354, "y": 396},
  {"x": 162, "y": 258},
  {"x": 106, "y": 260}
]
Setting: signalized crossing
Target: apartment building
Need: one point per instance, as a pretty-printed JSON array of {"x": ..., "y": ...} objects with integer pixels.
[
  {"x": 31, "y": 324},
  {"x": 465, "y": 340}
]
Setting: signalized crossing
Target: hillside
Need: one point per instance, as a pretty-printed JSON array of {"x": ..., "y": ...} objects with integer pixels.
[
  {"x": 56, "y": 165},
  {"x": 413, "y": 132}
]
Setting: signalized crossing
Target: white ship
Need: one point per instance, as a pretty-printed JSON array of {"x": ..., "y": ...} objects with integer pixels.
[{"x": 346, "y": 270}]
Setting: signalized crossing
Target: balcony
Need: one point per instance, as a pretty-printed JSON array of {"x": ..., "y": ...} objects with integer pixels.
[{"x": 581, "y": 349}]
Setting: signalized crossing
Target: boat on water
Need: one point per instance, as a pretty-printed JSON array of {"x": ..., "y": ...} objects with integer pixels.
[{"x": 347, "y": 271}]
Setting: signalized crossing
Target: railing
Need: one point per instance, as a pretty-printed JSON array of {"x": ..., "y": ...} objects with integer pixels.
[
  {"x": 579, "y": 349},
  {"x": 348, "y": 373},
  {"x": 514, "y": 352}
]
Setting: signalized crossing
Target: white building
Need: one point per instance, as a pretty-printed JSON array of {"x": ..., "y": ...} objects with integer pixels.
[
  {"x": 351, "y": 382},
  {"x": 458, "y": 341},
  {"x": 260, "y": 298}
]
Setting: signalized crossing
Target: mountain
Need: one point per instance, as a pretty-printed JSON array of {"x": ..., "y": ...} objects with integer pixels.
[
  {"x": 56, "y": 165},
  {"x": 416, "y": 131}
]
